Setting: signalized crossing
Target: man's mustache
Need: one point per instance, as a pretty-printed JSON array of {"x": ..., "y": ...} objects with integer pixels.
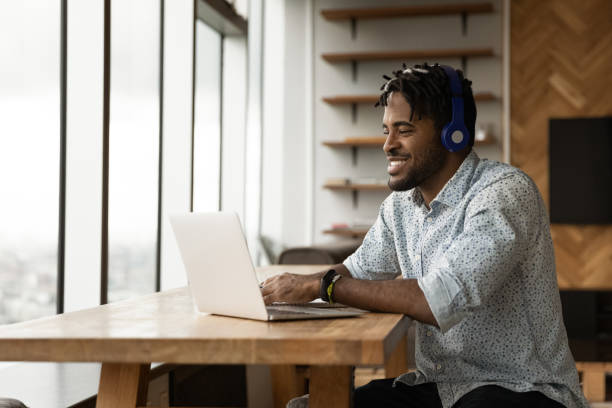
[{"x": 395, "y": 153}]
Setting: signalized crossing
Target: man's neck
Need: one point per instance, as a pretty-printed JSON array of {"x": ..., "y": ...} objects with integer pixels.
[{"x": 431, "y": 187}]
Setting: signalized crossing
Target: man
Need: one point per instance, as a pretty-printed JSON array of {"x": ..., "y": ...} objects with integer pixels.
[{"x": 471, "y": 239}]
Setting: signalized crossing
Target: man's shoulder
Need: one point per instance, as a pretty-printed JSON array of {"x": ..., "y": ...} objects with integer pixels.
[{"x": 493, "y": 175}]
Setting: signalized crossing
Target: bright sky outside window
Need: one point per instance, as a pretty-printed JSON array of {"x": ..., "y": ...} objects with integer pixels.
[
  {"x": 29, "y": 158},
  {"x": 207, "y": 121},
  {"x": 134, "y": 141}
]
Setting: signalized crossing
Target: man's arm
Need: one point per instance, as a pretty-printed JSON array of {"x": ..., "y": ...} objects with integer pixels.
[
  {"x": 292, "y": 288},
  {"x": 395, "y": 296}
]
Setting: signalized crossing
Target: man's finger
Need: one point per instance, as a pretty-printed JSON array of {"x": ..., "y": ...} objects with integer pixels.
[
  {"x": 266, "y": 290},
  {"x": 269, "y": 281}
]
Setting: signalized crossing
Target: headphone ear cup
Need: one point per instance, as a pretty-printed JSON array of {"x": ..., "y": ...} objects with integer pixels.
[
  {"x": 454, "y": 138},
  {"x": 455, "y": 135}
]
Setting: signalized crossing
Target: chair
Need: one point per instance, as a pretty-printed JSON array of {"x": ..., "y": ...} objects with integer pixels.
[
  {"x": 11, "y": 403},
  {"x": 328, "y": 254}
]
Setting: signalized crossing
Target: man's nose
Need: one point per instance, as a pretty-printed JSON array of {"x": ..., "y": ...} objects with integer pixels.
[{"x": 390, "y": 143}]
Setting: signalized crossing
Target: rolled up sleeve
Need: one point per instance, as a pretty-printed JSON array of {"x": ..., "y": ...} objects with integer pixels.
[{"x": 498, "y": 226}]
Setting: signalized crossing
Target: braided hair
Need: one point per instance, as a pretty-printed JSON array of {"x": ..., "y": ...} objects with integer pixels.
[{"x": 427, "y": 90}]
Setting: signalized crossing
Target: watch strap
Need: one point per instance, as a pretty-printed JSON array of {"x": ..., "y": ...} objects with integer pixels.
[
  {"x": 330, "y": 288},
  {"x": 326, "y": 280}
]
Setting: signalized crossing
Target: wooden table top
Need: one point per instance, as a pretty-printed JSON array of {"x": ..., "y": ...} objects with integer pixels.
[{"x": 165, "y": 327}]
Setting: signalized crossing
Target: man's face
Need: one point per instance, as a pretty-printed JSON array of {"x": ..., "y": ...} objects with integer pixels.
[{"x": 413, "y": 148}]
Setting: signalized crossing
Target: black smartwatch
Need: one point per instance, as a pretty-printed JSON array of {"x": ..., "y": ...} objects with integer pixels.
[{"x": 327, "y": 285}]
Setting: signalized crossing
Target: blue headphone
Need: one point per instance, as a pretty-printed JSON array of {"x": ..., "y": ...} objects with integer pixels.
[{"x": 455, "y": 135}]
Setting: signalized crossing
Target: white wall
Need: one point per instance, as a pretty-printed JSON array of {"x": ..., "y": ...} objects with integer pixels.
[
  {"x": 297, "y": 123},
  {"x": 254, "y": 134},
  {"x": 273, "y": 158},
  {"x": 286, "y": 131},
  {"x": 297, "y": 78}
]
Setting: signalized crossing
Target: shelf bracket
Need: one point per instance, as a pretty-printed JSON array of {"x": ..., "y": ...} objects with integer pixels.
[
  {"x": 354, "y": 155},
  {"x": 354, "y": 112},
  {"x": 355, "y": 198},
  {"x": 353, "y": 28},
  {"x": 354, "y": 70},
  {"x": 464, "y": 17}
]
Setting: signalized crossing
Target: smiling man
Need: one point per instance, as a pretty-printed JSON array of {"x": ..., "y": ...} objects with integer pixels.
[{"x": 471, "y": 240}]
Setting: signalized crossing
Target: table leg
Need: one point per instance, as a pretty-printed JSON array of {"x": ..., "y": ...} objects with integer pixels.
[
  {"x": 397, "y": 363},
  {"x": 331, "y": 386},
  {"x": 123, "y": 385},
  {"x": 593, "y": 380},
  {"x": 287, "y": 382}
]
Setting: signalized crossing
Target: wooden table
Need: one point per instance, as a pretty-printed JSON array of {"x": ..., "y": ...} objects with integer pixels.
[{"x": 127, "y": 336}]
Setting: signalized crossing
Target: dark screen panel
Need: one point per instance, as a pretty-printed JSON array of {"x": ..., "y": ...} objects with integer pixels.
[{"x": 581, "y": 170}]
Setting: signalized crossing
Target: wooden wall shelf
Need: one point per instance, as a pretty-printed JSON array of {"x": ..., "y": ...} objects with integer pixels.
[
  {"x": 350, "y": 99},
  {"x": 347, "y": 232},
  {"x": 355, "y": 57},
  {"x": 356, "y": 142},
  {"x": 359, "y": 99},
  {"x": 357, "y": 187},
  {"x": 406, "y": 11},
  {"x": 401, "y": 55},
  {"x": 355, "y": 100}
]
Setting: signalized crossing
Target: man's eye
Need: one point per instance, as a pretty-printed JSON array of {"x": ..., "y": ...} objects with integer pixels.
[{"x": 405, "y": 131}]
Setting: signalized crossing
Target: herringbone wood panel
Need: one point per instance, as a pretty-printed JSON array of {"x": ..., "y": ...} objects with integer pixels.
[{"x": 561, "y": 66}]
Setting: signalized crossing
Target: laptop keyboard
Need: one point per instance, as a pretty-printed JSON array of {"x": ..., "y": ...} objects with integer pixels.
[{"x": 287, "y": 310}]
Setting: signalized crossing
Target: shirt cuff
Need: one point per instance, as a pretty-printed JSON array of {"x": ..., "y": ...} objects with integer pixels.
[
  {"x": 439, "y": 296},
  {"x": 352, "y": 267}
]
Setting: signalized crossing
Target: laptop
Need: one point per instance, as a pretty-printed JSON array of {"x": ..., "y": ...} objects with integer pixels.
[{"x": 221, "y": 275}]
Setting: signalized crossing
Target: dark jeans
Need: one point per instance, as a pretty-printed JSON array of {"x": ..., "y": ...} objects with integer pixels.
[{"x": 381, "y": 393}]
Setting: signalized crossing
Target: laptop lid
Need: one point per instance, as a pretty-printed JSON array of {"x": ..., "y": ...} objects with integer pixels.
[{"x": 220, "y": 273}]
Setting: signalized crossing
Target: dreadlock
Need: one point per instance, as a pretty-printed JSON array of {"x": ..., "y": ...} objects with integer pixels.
[{"x": 427, "y": 90}]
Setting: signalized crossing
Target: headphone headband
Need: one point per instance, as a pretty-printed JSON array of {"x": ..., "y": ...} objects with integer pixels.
[{"x": 454, "y": 81}]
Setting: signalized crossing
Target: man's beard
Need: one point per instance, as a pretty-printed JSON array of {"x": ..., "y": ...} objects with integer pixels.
[{"x": 424, "y": 166}]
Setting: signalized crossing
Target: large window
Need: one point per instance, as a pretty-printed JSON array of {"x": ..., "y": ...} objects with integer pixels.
[
  {"x": 55, "y": 150},
  {"x": 29, "y": 157},
  {"x": 134, "y": 148}
]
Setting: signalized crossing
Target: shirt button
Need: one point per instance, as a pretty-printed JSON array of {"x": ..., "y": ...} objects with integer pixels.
[
  {"x": 429, "y": 333},
  {"x": 417, "y": 258},
  {"x": 428, "y": 219},
  {"x": 439, "y": 366}
]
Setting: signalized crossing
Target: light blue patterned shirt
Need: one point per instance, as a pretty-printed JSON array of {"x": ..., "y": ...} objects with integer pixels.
[{"x": 483, "y": 257}]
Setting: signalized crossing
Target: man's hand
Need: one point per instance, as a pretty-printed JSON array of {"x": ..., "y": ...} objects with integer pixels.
[{"x": 291, "y": 288}]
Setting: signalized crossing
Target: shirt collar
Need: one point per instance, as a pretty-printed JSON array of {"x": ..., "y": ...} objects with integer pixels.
[{"x": 455, "y": 188}]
